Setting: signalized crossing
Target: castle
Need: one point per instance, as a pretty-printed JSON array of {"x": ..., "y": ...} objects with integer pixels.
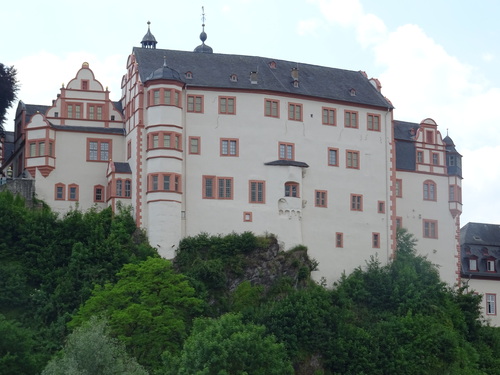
[{"x": 209, "y": 142}]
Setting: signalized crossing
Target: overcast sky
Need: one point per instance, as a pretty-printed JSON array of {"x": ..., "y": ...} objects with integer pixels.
[{"x": 434, "y": 58}]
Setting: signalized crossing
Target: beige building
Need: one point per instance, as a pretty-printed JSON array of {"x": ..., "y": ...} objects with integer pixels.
[{"x": 208, "y": 142}]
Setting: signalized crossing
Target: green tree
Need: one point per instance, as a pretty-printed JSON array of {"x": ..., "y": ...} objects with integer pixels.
[
  {"x": 149, "y": 308},
  {"x": 89, "y": 350},
  {"x": 227, "y": 346},
  {"x": 8, "y": 89}
]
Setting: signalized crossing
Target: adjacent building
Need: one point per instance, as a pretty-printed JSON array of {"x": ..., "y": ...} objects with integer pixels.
[{"x": 209, "y": 142}]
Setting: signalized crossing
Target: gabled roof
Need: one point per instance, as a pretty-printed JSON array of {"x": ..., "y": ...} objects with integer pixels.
[{"x": 213, "y": 70}]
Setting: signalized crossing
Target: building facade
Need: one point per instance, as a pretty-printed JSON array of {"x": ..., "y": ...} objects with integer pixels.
[{"x": 216, "y": 143}]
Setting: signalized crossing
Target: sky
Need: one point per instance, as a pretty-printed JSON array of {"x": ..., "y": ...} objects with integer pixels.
[{"x": 434, "y": 58}]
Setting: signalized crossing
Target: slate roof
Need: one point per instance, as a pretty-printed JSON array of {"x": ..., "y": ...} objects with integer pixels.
[
  {"x": 121, "y": 167},
  {"x": 90, "y": 129},
  {"x": 214, "y": 70},
  {"x": 405, "y": 145},
  {"x": 481, "y": 242},
  {"x": 32, "y": 109}
]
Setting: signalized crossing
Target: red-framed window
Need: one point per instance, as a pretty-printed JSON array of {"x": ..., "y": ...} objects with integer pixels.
[
  {"x": 60, "y": 192},
  {"x": 473, "y": 266},
  {"x": 227, "y": 105},
  {"x": 95, "y": 111},
  {"x": 339, "y": 239},
  {"x": 129, "y": 149},
  {"x": 429, "y": 136},
  {"x": 351, "y": 119},
  {"x": 229, "y": 147},
  {"x": 170, "y": 140},
  {"x": 292, "y": 189},
  {"x": 491, "y": 264},
  {"x": 195, "y": 145},
  {"x": 257, "y": 191},
  {"x": 99, "y": 193},
  {"x": 195, "y": 103},
  {"x": 321, "y": 198},
  {"x": 333, "y": 157},
  {"x": 272, "y": 108},
  {"x": 491, "y": 303},
  {"x": 165, "y": 182},
  {"x": 430, "y": 228},
  {"x": 435, "y": 158},
  {"x": 99, "y": 149},
  {"x": 286, "y": 151},
  {"x": 295, "y": 111},
  {"x": 352, "y": 159},
  {"x": 73, "y": 192},
  {"x": 420, "y": 157},
  {"x": 356, "y": 202},
  {"x": 430, "y": 190},
  {"x": 247, "y": 216},
  {"x": 398, "y": 186},
  {"x": 217, "y": 187},
  {"x": 375, "y": 240},
  {"x": 74, "y": 110},
  {"x": 373, "y": 122},
  {"x": 381, "y": 207},
  {"x": 329, "y": 116}
]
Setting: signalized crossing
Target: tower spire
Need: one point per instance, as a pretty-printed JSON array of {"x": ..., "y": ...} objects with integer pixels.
[{"x": 203, "y": 48}]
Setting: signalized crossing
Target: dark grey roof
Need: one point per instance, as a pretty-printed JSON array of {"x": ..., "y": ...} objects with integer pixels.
[
  {"x": 121, "y": 167},
  {"x": 8, "y": 145},
  {"x": 89, "y": 129},
  {"x": 290, "y": 163},
  {"x": 118, "y": 106},
  {"x": 33, "y": 109},
  {"x": 481, "y": 242},
  {"x": 480, "y": 234},
  {"x": 215, "y": 69},
  {"x": 164, "y": 72},
  {"x": 405, "y": 145}
]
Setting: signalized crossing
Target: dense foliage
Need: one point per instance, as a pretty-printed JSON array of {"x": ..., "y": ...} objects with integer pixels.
[
  {"x": 218, "y": 308},
  {"x": 8, "y": 89}
]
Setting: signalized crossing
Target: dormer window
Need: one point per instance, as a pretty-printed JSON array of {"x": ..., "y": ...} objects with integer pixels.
[
  {"x": 296, "y": 83},
  {"x": 189, "y": 75},
  {"x": 473, "y": 264},
  {"x": 352, "y": 92},
  {"x": 490, "y": 265},
  {"x": 234, "y": 78},
  {"x": 253, "y": 78},
  {"x": 272, "y": 64}
]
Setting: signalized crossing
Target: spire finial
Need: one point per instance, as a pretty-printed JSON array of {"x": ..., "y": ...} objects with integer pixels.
[
  {"x": 203, "y": 16},
  {"x": 149, "y": 23},
  {"x": 203, "y": 48}
]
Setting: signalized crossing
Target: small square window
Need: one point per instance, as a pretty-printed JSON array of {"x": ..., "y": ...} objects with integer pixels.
[{"x": 247, "y": 216}]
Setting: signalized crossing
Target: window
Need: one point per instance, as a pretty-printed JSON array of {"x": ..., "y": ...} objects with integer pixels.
[
  {"x": 451, "y": 160},
  {"x": 490, "y": 265},
  {"x": 98, "y": 193},
  {"x": 295, "y": 111},
  {"x": 195, "y": 103},
  {"x": 74, "y": 110},
  {"x": 85, "y": 84},
  {"x": 292, "y": 189},
  {"x": 352, "y": 159},
  {"x": 41, "y": 148},
  {"x": 224, "y": 188},
  {"x": 167, "y": 97},
  {"x": 373, "y": 122},
  {"x": 356, "y": 202},
  {"x": 491, "y": 304},
  {"x": 228, "y": 147},
  {"x": 119, "y": 188},
  {"x": 170, "y": 182},
  {"x": 333, "y": 157},
  {"x": 420, "y": 157},
  {"x": 257, "y": 191},
  {"x": 381, "y": 207},
  {"x": 73, "y": 192},
  {"x": 286, "y": 151},
  {"x": 320, "y": 198},
  {"x": 430, "y": 229},
  {"x": 227, "y": 105},
  {"x": 429, "y": 136},
  {"x": 399, "y": 188},
  {"x": 247, "y": 216},
  {"x": 350, "y": 119},
  {"x": 328, "y": 117},
  {"x": 60, "y": 192},
  {"x": 339, "y": 239},
  {"x": 272, "y": 108},
  {"x": 194, "y": 145},
  {"x": 435, "y": 159},
  {"x": 94, "y": 112},
  {"x": 155, "y": 138},
  {"x": 473, "y": 264},
  {"x": 165, "y": 140},
  {"x": 156, "y": 97},
  {"x": 98, "y": 149},
  {"x": 399, "y": 222},
  {"x": 128, "y": 188},
  {"x": 376, "y": 240},
  {"x": 129, "y": 149},
  {"x": 430, "y": 190},
  {"x": 33, "y": 149},
  {"x": 209, "y": 187}
]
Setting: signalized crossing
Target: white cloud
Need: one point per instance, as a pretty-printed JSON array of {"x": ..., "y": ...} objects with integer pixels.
[
  {"x": 344, "y": 13},
  {"x": 309, "y": 26}
]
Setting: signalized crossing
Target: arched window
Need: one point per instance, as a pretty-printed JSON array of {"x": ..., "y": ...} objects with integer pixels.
[{"x": 430, "y": 192}]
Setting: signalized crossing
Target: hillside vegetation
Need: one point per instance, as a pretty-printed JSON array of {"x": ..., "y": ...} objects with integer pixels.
[{"x": 85, "y": 294}]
